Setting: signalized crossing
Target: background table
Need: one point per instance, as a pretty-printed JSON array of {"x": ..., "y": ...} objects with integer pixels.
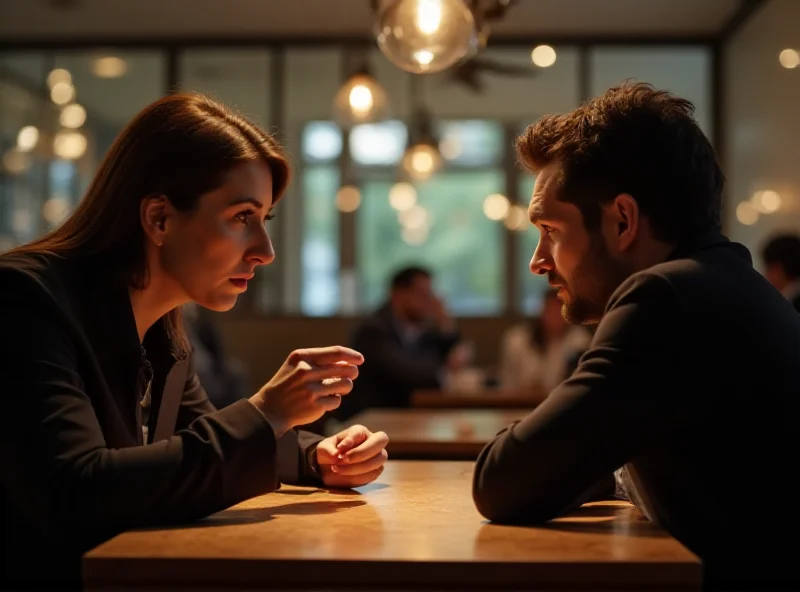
[
  {"x": 488, "y": 399},
  {"x": 438, "y": 434},
  {"x": 414, "y": 528}
]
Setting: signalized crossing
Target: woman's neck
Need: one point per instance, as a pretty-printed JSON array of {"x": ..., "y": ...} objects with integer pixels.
[{"x": 151, "y": 304}]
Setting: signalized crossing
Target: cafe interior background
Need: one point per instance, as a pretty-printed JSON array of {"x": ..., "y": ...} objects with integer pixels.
[{"x": 391, "y": 166}]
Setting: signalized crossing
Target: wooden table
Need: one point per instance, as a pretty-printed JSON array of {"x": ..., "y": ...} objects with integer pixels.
[
  {"x": 485, "y": 399},
  {"x": 437, "y": 434},
  {"x": 414, "y": 528}
]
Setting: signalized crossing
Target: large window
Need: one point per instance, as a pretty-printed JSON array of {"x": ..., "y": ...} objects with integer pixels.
[
  {"x": 438, "y": 222},
  {"x": 444, "y": 229},
  {"x": 237, "y": 77},
  {"x": 336, "y": 249},
  {"x": 685, "y": 71},
  {"x": 322, "y": 146},
  {"x": 59, "y": 114}
]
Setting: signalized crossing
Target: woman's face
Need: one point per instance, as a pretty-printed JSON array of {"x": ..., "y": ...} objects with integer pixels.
[{"x": 210, "y": 252}]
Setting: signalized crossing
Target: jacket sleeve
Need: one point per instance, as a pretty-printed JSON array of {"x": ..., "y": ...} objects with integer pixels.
[
  {"x": 57, "y": 467},
  {"x": 624, "y": 396},
  {"x": 294, "y": 449},
  {"x": 445, "y": 341},
  {"x": 387, "y": 357},
  {"x": 195, "y": 402}
]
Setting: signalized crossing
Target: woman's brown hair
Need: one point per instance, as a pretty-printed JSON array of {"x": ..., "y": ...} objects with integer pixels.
[{"x": 181, "y": 146}]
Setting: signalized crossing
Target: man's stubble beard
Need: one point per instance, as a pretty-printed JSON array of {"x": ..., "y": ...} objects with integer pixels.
[{"x": 594, "y": 280}]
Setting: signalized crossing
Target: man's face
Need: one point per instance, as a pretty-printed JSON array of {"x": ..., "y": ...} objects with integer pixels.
[
  {"x": 575, "y": 261},
  {"x": 776, "y": 275},
  {"x": 418, "y": 301}
]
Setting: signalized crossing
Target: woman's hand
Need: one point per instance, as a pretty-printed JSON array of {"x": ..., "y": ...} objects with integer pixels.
[
  {"x": 352, "y": 458},
  {"x": 310, "y": 382}
]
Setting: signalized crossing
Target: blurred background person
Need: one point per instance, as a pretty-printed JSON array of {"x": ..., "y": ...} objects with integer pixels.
[
  {"x": 409, "y": 343},
  {"x": 540, "y": 353},
  {"x": 781, "y": 257},
  {"x": 225, "y": 379}
]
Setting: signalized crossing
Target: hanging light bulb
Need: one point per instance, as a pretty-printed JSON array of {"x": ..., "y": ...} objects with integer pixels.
[
  {"x": 62, "y": 93},
  {"x": 402, "y": 196},
  {"x": 72, "y": 116},
  {"x": 426, "y": 36},
  {"x": 27, "y": 138},
  {"x": 421, "y": 161},
  {"x": 16, "y": 161},
  {"x": 69, "y": 145},
  {"x": 422, "y": 158},
  {"x": 109, "y": 67},
  {"x": 360, "y": 100},
  {"x": 58, "y": 75}
]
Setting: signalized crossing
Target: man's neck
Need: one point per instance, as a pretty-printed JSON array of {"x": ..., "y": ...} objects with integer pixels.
[{"x": 656, "y": 252}]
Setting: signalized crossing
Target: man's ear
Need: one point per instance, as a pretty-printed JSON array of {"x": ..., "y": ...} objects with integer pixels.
[
  {"x": 626, "y": 218},
  {"x": 153, "y": 216}
]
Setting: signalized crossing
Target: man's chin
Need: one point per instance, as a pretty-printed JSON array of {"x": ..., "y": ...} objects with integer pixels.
[{"x": 579, "y": 313}]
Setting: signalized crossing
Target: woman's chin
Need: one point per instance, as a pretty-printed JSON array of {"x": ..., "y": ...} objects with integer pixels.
[{"x": 219, "y": 303}]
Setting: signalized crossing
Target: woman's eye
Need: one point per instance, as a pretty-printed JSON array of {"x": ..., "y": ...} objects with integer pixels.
[{"x": 244, "y": 217}]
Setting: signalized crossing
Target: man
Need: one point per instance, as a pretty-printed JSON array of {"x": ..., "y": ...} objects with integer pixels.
[
  {"x": 781, "y": 257},
  {"x": 409, "y": 343},
  {"x": 691, "y": 381}
]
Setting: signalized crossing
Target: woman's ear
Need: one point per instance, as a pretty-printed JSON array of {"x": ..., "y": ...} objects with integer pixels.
[{"x": 153, "y": 216}]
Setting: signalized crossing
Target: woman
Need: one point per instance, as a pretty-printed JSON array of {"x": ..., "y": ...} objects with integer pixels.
[
  {"x": 541, "y": 353},
  {"x": 106, "y": 425}
]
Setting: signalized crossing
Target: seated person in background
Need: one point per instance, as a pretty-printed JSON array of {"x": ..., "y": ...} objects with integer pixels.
[
  {"x": 224, "y": 379},
  {"x": 542, "y": 352},
  {"x": 781, "y": 257},
  {"x": 409, "y": 343},
  {"x": 108, "y": 427},
  {"x": 628, "y": 196}
]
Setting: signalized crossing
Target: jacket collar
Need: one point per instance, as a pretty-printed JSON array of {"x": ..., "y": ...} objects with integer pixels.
[
  {"x": 709, "y": 240},
  {"x": 103, "y": 295}
]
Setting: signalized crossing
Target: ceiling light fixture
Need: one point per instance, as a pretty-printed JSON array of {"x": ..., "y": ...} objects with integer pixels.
[
  {"x": 422, "y": 157},
  {"x": 109, "y": 67},
  {"x": 428, "y": 36},
  {"x": 361, "y": 99}
]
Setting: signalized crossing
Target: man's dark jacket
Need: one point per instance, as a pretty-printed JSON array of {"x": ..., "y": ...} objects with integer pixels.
[
  {"x": 692, "y": 381},
  {"x": 393, "y": 369}
]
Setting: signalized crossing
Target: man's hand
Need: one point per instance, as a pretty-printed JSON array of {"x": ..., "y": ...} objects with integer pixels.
[
  {"x": 441, "y": 318},
  {"x": 460, "y": 356},
  {"x": 352, "y": 458}
]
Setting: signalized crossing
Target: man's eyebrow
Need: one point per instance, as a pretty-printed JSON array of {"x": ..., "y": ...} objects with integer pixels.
[{"x": 535, "y": 215}]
